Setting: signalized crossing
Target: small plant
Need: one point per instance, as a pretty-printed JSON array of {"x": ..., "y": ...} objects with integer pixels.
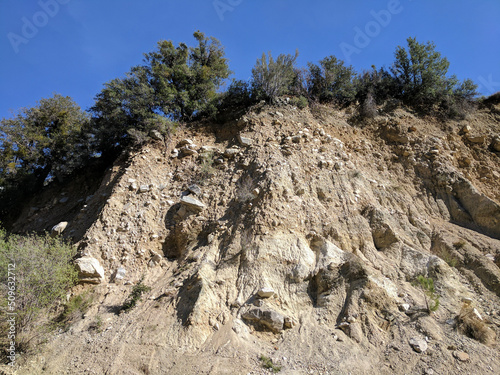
[
  {"x": 207, "y": 166},
  {"x": 135, "y": 295},
  {"x": 431, "y": 298},
  {"x": 97, "y": 324},
  {"x": 472, "y": 324},
  {"x": 75, "y": 308},
  {"x": 268, "y": 364},
  {"x": 459, "y": 244},
  {"x": 449, "y": 258},
  {"x": 300, "y": 102}
]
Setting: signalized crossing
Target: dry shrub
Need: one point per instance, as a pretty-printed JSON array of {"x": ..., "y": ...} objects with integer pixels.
[{"x": 471, "y": 325}]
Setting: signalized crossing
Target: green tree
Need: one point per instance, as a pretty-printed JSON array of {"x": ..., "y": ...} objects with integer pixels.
[
  {"x": 174, "y": 83},
  {"x": 273, "y": 78},
  {"x": 332, "y": 81},
  {"x": 49, "y": 139},
  {"x": 420, "y": 74}
]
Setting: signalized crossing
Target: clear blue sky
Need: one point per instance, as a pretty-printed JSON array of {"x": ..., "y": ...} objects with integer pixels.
[{"x": 72, "y": 47}]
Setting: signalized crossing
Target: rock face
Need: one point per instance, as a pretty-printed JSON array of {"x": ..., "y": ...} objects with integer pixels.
[
  {"x": 305, "y": 245},
  {"x": 89, "y": 270}
]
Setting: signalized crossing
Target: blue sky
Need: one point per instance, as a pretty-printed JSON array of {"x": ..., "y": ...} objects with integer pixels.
[{"x": 72, "y": 47}]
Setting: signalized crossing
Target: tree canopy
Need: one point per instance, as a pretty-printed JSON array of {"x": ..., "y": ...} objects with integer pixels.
[
  {"x": 45, "y": 140},
  {"x": 175, "y": 83}
]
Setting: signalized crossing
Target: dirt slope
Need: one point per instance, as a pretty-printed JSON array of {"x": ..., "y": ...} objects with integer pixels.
[{"x": 331, "y": 222}]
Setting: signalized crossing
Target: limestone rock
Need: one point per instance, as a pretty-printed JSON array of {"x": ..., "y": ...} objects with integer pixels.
[
  {"x": 244, "y": 141},
  {"x": 195, "y": 189},
  {"x": 193, "y": 203},
  {"x": 58, "y": 229},
  {"x": 189, "y": 150},
  {"x": 495, "y": 144},
  {"x": 266, "y": 318},
  {"x": 89, "y": 270},
  {"x": 265, "y": 292},
  {"x": 184, "y": 142},
  {"x": 231, "y": 152},
  {"x": 476, "y": 138},
  {"x": 418, "y": 345}
]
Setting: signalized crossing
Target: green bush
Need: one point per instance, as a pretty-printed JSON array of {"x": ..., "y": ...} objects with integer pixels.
[
  {"x": 331, "y": 81},
  {"x": 431, "y": 298},
  {"x": 135, "y": 296},
  {"x": 35, "y": 273},
  {"x": 267, "y": 363},
  {"x": 74, "y": 309},
  {"x": 301, "y": 102}
]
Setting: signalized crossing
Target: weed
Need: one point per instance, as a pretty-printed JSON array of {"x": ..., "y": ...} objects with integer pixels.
[
  {"x": 268, "y": 364},
  {"x": 97, "y": 324},
  {"x": 431, "y": 298},
  {"x": 135, "y": 295},
  {"x": 459, "y": 244},
  {"x": 207, "y": 165},
  {"x": 74, "y": 309},
  {"x": 472, "y": 325}
]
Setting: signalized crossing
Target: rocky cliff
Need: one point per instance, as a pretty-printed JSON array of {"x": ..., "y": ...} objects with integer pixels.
[{"x": 296, "y": 235}]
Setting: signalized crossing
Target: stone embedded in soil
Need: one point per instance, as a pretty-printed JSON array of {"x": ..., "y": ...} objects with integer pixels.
[
  {"x": 418, "y": 345},
  {"x": 461, "y": 356},
  {"x": 89, "y": 270},
  {"x": 265, "y": 292},
  {"x": 195, "y": 189},
  {"x": 192, "y": 202},
  {"x": 231, "y": 152},
  {"x": 244, "y": 141},
  {"x": 266, "y": 318}
]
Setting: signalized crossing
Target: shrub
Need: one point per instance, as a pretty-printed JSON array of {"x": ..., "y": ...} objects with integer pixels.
[
  {"x": 470, "y": 324},
  {"x": 267, "y": 363},
  {"x": 274, "y": 78},
  {"x": 301, "y": 102},
  {"x": 331, "y": 81},
  {"x": 42, "y": 273},
  {"x": 74, "y": 309},
  {"x": 431, "y": 298},
  {"x": 135, "y": 295}
]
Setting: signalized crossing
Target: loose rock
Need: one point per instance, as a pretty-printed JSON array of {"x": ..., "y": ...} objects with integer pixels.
[{"x": 418, "y": 345}]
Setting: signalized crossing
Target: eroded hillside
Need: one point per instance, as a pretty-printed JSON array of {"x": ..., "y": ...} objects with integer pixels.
[{"x": 294, "y": 235}]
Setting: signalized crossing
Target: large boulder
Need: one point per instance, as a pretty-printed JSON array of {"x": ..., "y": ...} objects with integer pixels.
[
  {"x": 89, "y": 270},
  {"x": 266, "y": 319}
]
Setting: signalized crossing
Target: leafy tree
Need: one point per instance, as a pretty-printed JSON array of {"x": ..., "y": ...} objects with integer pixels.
[
  {"x": 331, "y": 81},
  {"x": 175, "y": 83},
  {"x": 273, "y": 78},
  {"x": 49, "y": 139},
  {"x": 420, "y": 76},
  {"x": 185, "y": 80}
]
